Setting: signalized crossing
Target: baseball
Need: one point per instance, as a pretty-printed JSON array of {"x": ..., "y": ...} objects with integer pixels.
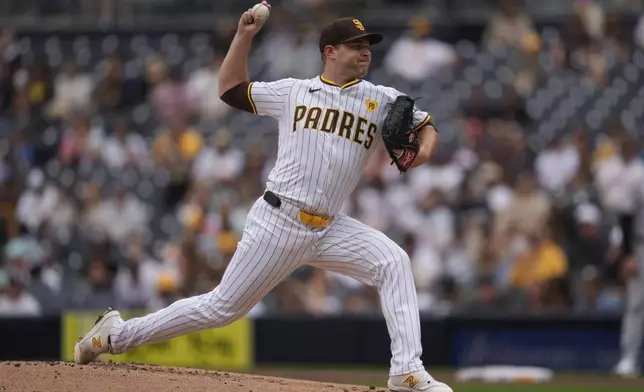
[{"x": 260, "y": 12}]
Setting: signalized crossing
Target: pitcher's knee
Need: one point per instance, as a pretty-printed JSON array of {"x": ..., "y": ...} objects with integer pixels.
[
  {"x": 398, "y": 263},
  {"x": 225, "y": 309}
]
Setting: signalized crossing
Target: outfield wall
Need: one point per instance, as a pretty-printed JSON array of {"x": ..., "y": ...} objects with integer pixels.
[{"x": 560, "y": 343}]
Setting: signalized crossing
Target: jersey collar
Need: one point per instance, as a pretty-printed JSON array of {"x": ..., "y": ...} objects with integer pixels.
[{"x": 348, "y": 84}]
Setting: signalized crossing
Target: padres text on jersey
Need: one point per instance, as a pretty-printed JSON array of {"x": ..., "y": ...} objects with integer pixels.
[{"x": 327, "y": 133}]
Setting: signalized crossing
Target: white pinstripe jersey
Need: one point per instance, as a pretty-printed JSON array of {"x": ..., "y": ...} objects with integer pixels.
[{"x": 327, "y": 133}]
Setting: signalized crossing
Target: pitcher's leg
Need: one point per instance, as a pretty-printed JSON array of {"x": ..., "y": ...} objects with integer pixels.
[
  {"x": 271, "y": 248},
  {"x": 357, "y": 250}
]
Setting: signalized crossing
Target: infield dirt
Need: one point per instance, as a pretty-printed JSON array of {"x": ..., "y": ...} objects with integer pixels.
[
  {"x": 98, "y": 377},
  {"x": 69, "y": 377}
]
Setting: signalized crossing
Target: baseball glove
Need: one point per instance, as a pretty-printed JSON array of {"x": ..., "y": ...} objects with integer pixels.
[{"x": 398, "y": 133}]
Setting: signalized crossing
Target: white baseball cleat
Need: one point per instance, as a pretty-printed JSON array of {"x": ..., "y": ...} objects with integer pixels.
[
  {"x": 97, "y": 340},
  {"x": 627, "y": 368},
  {"x": 417, "y": 381}
]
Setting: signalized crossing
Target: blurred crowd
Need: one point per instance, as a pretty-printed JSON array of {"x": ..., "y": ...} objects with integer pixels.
[{"x": 127, "y": 184}]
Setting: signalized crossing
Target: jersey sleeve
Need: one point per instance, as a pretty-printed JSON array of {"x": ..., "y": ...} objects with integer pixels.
[
  {"x": 421, "y": 117},
  {"x": 269, "y": 98}
]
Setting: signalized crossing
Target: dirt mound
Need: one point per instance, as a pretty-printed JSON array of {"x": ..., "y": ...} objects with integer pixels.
[{"x": 69, "y": 377}]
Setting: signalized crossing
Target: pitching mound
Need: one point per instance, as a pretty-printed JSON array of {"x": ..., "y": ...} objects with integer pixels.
[{"x": 69, "y": 377}]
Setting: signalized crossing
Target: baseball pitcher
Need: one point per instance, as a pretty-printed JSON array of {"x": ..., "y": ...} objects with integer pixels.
[{"x": 329, "y": 127}]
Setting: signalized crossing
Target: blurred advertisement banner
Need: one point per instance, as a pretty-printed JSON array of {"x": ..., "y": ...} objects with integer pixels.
[
  {"x": 553, "y": 349},
  {"x": 229, "y": 348}
]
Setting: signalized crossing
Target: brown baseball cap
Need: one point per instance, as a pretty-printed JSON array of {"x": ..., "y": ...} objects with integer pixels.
[{"x": 346, "y": 30}]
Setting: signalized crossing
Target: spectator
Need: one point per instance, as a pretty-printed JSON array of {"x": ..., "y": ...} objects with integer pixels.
[
  {"x": 589, "y": 59},
  {"x": 192, "y": 213},
  {"x": 171, "y": 97},
  {"x": 81, "y": 141},
  {"x": 554, "y": 296},
  {"x": 72, "y": 91},
  {"x": 289, "y": 51},
  {"x": 10, "y": 63},
  {"x": 543, "y": 261},
  {"x": 299, "y": 58},
  {"x": 615, "y": 176},
  {"x": 15, "y": 301},
  {"x": 556, "y": 166},
  {"x": 372, "y": 206},
  {"x": 592, "y": 17},
  {"x": 24, "y": 149},
  {"x": 416, "y": 56},
  {"x": 498, "y": 195},
  {"x": 124, "y": 148},
  {"x": 460, "y": 258},
  {"x": 594, "y": 297},
  {"x": 62, "y": 214},
  {"x": 607, "y": 143},
  {"x": 484, "y": 298},
  {"x": 136, "y": 283},
  {"x": 139, "y": 88},
  {"x": 203, "y": 86},
  {"x": 6, "y": 174},
  {"x": 39, "y": 85},
  {"x": 110, "y": 90},
  {"x": 434, "y": 225},
  {"x": 22, "y": 252},
  {"x": 254, "y": 175},
  {"x": 96, "y": 290},
  {"x": 227, "y": 238},
  {"x": 22, "y": 115},
  {"x": 529, "y": 209},
  {"x": 45, "y": 207},
  {"x": 443, "y": 174},
  {"x": 220, "y": 162},
  {"x": 428, "y": 270},
  {"x": 179, "y": 143},
  {"x": 615, "y": 44},
  {"x": 175, "y": 150},
  {"x": 197, "y": 275},
  {"x": 45, "y": 284},
  {"x": 580, "y": 190},
  {"x": 509, "y": 26},
  {"x": 92, "y": 219},
  {"x": 123, "y": 216},
  {"x": 638, "y": 35},
  {"x": 589, "y": 243},
  {"x": 31, "y": 211}
]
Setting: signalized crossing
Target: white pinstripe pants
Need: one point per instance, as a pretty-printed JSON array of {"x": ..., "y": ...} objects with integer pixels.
[{"x": 273, "y": 245}]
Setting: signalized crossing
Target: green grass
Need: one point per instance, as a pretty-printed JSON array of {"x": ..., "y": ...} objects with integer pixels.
[
  {"x": 376, "y": 376},
  {"x": 549, "y": 387}
]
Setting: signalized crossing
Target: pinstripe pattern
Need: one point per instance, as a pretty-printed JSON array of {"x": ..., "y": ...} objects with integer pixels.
[
  {"x": 352, "y": 248},
  {"x": 273, "y": 245},
  {"x": 315, "y": 171}
]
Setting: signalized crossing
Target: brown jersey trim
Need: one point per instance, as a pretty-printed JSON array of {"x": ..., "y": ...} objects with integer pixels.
[
  {"x": 239, "y": 97},
  {"x": 348, "y": 84},
  {"x": 250, "y": 98}
]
